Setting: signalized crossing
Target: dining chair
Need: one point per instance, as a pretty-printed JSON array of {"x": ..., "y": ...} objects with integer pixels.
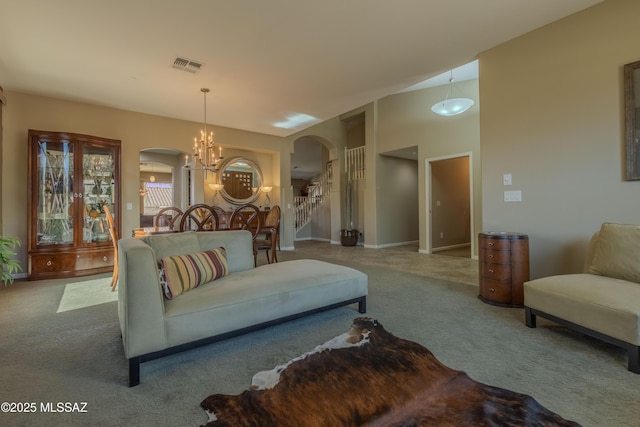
[
  {"x": 269, "y": 235},
  {"x": 113, "y": 232},
  {"x": 199, "y": 217},
  {"x": 223, "y": 217},
  {"x": 168, "y": 217},
  {"x": 247, "y": 217}
]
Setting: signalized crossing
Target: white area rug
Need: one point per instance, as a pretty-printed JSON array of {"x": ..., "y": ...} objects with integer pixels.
[{"x": 87, "y": 293}]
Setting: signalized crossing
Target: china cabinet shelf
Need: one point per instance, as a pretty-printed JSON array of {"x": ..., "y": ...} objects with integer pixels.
[{"x": 71, "y": 178}]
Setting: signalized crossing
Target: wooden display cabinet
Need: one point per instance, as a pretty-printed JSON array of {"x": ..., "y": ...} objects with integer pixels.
[{"x": 71, "y": 177}]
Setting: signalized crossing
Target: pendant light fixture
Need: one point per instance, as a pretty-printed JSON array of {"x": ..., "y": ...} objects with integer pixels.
[
  {"x": 204, "y": 149},
  {"x": 452, "y": 106}
]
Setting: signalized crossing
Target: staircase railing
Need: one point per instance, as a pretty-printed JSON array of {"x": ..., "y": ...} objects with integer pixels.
[
  {"x": 317, "y": 195},
  {"x": 304, "y": 206},
  {"x": 354, "y": 163}
]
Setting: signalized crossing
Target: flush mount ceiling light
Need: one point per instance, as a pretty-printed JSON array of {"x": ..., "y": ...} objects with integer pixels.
[{"x": 452, "y": 106}]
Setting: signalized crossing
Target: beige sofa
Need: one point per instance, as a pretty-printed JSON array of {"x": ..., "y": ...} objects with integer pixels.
[
  {"x": 246, "y": 299},
  {"x": 604, "y": 300}
]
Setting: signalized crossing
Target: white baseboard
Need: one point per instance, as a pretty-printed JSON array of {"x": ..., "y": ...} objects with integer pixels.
[
  {"x": 317, "y": 239},
  {"x": 446, "y": 248},
  {"x": 390, "y": 245}
]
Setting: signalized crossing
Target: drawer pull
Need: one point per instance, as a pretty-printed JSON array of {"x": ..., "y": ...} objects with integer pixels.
[
  {"x": 492, "y": 290},
  {"x": 49, "y": 263},
  {"x": 490, "y": 243},
  {"x": 490, "y": 256},
  {"x": 104, "y": 258},
  {"x": 491, "y": 271}
]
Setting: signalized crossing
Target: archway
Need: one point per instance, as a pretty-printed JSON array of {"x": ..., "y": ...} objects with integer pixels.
[
  {"x": 162, "y": 183},
  {"x": 310, "y": 161}
]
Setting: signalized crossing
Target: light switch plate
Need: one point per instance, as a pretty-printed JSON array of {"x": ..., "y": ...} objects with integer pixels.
[
  {"x": 506, "y": 179},
  {"x": 513, "y": 196}
]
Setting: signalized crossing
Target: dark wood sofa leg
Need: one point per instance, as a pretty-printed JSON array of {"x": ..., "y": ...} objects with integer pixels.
[
  {"x": 134, "y": 371},
  {"x": 634, "y": 359},
  {"x": 529, "y": 318},
  {"x": 362, "y": 305}
]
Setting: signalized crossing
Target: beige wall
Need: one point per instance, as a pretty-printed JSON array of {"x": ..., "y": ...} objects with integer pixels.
[
  {"x": 332, "y": 134},
  {"x": 552, "y": 115},
  {"x": 398, "y": 199},
  {"x": 394, "y": 122},
  {"x": 136, "y": 131},
  {"x": 406, "y": 120}
]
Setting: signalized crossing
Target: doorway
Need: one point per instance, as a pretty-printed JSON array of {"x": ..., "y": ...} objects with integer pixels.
[
  {"x": 309, "y": 163},
  {"x": 162, "y": 182},
  {"x": 449, "y": 187}
]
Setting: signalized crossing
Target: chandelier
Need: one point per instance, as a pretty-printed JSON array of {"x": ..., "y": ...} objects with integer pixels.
[{"x": 204, "y": 150}]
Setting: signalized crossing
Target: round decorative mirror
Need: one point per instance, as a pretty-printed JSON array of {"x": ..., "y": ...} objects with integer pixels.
[{"x": 241, "y": 179}]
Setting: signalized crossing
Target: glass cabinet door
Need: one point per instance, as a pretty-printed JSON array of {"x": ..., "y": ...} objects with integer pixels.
[
  {"x": 55, "y": 195},
  {"x": 98, "y": 190},
  {"x": 71, "y": 178}
]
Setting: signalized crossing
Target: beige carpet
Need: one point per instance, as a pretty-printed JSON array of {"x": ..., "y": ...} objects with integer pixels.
[
  {"x": 87, "y": 293},
  {"x": 77, "y": 356}
]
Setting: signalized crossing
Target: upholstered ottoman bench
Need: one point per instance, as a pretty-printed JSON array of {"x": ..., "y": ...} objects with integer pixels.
[{"x": 237, "y": 299}]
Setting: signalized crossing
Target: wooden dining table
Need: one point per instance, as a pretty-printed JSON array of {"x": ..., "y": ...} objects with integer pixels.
[{"x": 150, "y": 231}]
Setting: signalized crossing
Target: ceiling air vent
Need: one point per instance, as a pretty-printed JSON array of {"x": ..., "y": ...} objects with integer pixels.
[{"x": 187, "y": 65}]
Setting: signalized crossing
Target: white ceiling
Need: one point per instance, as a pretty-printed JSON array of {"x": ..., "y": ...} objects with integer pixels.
[
  {"x": 464, "y": 72},
  {"x": 263, "y": 60}
]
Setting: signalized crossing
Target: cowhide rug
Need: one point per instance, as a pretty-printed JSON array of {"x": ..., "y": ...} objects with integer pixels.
[{"x": 368, "y": 377}]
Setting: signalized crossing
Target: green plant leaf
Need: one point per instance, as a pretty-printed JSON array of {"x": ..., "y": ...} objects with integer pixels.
[{"x": 8, "y": 265}]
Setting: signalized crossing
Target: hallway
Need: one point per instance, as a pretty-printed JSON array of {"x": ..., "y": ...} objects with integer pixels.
[{"x": 403, "y": 258}]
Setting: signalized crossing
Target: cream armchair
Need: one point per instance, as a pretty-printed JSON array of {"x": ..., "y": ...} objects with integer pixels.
[{"x": 604, "y": 300}]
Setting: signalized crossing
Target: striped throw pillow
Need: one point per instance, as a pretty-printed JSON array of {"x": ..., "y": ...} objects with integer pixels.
[{"x": 179, "y": 274}]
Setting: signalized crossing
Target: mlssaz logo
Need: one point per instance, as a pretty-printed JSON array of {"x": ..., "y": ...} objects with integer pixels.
[{"x": 80, "y": 407}]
